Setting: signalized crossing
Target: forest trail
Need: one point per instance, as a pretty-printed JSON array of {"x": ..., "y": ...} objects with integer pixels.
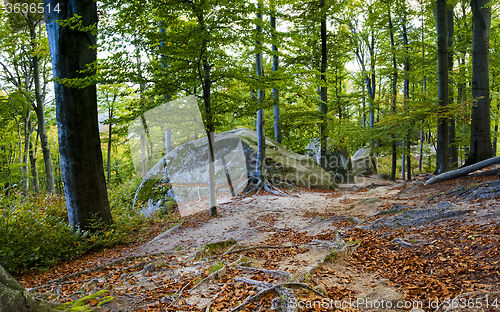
[{"x": 369, "y": 243}]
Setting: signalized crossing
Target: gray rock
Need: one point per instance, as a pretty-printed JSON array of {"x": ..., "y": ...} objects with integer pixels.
[
  {"x": 235, "y": 162},
  {"x": 418, "y": 216},
  {"x": 338, "y": 160},
  {"x": 364, "y": 162}
]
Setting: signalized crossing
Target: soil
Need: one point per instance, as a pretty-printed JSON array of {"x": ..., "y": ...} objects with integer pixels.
[{"x": 372, "y": 242}]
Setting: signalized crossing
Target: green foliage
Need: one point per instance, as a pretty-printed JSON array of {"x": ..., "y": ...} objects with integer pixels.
[{"x": 35, "y": 233}]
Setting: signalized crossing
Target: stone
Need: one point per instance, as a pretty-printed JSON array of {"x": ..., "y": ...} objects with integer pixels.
[
  {"x": 186, "y": 169},
  {"x": 338, "y": 160},
  {"x": 364, "y": 162}
]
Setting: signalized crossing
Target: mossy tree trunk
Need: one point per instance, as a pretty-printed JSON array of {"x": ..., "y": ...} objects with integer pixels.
[{"x": 13, "y": 297}]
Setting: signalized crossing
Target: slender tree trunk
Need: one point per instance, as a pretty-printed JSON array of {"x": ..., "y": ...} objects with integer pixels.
[
  {"x": 42, "y": 130},
  {"x": 110, "y": 131},
  {"x": 261, "y": 136},
  {"x": 324, "y": 99},
  {"x": 480, "y": 141},
  {"x": 276, "y": 96},
  {"x": 34, "y": 171},
  {"x": 406, "y": 95},
  {"x": 71, "y": 50},
  {"x": 452, "y": 129},
  {"x": 27, "y": 141},
  {"x": 442, "y": 160},
  {"x": 394, "y": 97}
]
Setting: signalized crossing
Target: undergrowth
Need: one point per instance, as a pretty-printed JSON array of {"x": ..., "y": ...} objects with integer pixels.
[{"x": 35, "y": 233}]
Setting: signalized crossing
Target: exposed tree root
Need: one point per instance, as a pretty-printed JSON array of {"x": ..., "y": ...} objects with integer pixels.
[
  {"x": 100, "y": 268},
  {"x": 487, "y": 190},
  {"x": 283, "y": 290},
  {"x": 177, "y": 295},
  {"x": 258, "y": 247},
  {"x": 273, "y": 273},
  {"x": 264, "y": 184}
]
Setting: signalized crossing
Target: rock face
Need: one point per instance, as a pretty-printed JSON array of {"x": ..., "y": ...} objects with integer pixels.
[
  {"x": 13, "y": 297},
  {"x": 338, "y": 161},
  {"x": 364, "y": 162},
  {"x": 235, "y": 160}
]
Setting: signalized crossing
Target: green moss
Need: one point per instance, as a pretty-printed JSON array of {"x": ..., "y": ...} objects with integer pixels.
[{"x": 80, "y": 304}]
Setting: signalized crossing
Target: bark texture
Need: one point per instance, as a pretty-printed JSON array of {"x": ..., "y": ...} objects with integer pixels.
[
  {"x": 480, "y": 141},
  {"x": 442, "y": 161},
  {"x": 76, "y": 113}
]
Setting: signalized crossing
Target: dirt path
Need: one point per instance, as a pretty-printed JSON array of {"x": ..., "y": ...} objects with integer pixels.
[
  {"x": 367, "y": 244},
  {"x": 251, "y": 220}
]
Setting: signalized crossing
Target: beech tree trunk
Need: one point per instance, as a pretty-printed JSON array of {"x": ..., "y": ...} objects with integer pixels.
[
  {"x": 324, "y": 99},
  {"x": 451, "y": 128},
  {"x": 480, "y": 138},
  {"x": 42, "y": 129},
  {"x": 442, "y": 161},
  {"x": 394, "y": 96},
  {"x": 261, "y": 136},
  {"x": 76, "y": 113},
  {"x": 463, "y": 171},
  {"x": 14, "y": 298},
  {"x": 276, "y": 95}
]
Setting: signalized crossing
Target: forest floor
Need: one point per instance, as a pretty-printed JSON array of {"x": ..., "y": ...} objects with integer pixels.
[{"x": 375, "y": 244}]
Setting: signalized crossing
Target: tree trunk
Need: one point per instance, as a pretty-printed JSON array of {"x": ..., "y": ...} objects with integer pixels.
[
  {"x": 34, "y": 171},
  {"x": 76, "y": 111},
  {"x": 276, "y": 96},
  {"x": 42, "y": 129},
  {"x": 480, "y": 139},
  {"x": 394, "y": 97},
  {"x": 27, "y": 143},
  {"x": 406, "y": 95},
  {"x": 324, "y": 99},
  {"x": 14, "y": 298},
  {"x": 463, "y": 171},
  {"x": 110, "y": 131},
  {"x": 451, "y": 128},
  {"x": 261, "y": 136},
  {"x": 442, "y": 161}
]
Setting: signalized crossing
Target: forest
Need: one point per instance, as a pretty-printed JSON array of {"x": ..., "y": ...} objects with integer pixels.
[{"x": 415, "y": 82}]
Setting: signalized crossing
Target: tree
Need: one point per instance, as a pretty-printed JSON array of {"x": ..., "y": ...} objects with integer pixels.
[
  {"x": 323, "y": 88},
  {"x": 71, "y": 29},
  {"x": 442, "y": 161},
  {"x": 276, "y": 96},
  {"x": 480, "y": 138},
  {"x": 394, "y": 86},
  {"x": 261, "y": 135},
  {"x": 27, "y": 64}
]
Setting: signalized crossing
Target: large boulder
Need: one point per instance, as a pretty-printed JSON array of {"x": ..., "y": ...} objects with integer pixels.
[
  {"x": 338, "y": 160},
  {"x": 364, "y": 162},
  {"x": 13, "y": 297},
  {"x": 235, "y": 163}
]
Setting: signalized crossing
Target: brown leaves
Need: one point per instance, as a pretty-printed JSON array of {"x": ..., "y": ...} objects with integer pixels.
[{"x": 459, "y": 256}]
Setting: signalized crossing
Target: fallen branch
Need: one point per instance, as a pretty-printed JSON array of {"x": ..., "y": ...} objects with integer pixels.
[{"x": 463, "y": 171}]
